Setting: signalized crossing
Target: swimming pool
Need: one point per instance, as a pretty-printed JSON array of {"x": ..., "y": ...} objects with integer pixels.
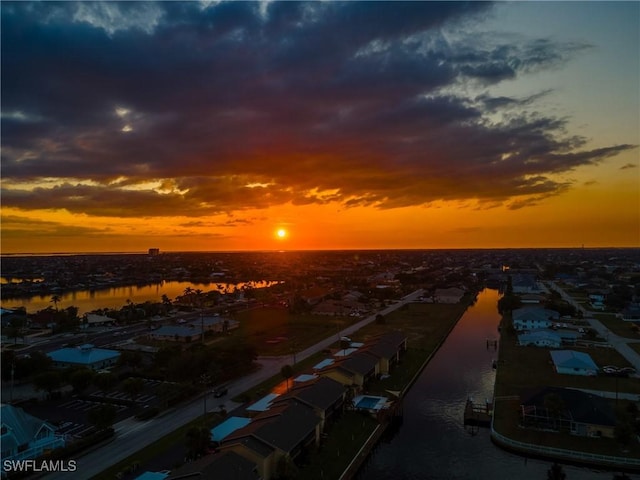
[{"x": 369, "y": 403}]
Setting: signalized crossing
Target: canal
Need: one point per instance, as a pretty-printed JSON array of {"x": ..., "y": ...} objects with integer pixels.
[
  {"x": 432, "y": 442},
  {"x": 117, "y": 297}
]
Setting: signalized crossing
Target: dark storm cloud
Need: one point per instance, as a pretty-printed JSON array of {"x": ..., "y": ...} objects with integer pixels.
[{"x": 246, "y": 105}]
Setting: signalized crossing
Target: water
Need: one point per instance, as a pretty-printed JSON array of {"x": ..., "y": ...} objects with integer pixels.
[
  {"x": 432, "y": 442},
  {"x": 116, "y": 297}
]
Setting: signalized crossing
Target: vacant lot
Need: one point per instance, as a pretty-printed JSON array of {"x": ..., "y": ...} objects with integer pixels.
[
  {"x": 275, "y": 331},
  {"x": 618, "y": 326}
]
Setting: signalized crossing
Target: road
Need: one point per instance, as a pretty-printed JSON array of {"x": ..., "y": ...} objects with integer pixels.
[
  {"x": 133, "y": 435},
  {"x": 621, "y": 344}
]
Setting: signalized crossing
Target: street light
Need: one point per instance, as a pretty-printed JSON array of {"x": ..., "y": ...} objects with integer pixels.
[{"x": 205, "y": 380}]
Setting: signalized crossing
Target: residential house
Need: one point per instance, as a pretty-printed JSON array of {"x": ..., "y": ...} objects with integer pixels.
[
  {"x": 221, "y": 465},
  {"x": 570, "y": 362},
  {"x": 175, "y": 333},
  {"x": 25, "y": 436},
  {"x": 323, "y": 394},
  {"x": 84, "y": 356},
  {"x": 283, "y": 432},
  {"x": 354, "y": 370},
  {"x": 214, "y": 324},
  {"x": 540, "y": 338},
  {"x": 388, "y": 348},
  {"x": 93, "y": 320},
  {"x": 525, "y": 283},
  {"x": 578, "y": 412},
  {"x": 533, "y": 318},
  {"x": 448, "y": 295}
]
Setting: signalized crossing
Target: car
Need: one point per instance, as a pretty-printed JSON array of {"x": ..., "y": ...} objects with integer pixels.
[{"x": 220, "y": 392}]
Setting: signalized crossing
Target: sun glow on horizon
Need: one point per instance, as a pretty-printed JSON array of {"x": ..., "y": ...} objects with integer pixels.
[{"x": 281, "y": 233}]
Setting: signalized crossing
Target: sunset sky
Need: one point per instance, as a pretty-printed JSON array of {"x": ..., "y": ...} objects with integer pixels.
[{"x": 213, "y": 125}]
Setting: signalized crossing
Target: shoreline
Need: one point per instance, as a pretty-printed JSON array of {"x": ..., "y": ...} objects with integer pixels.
[
  {"x": 363, "y": 454},
  {"x": 626, "y": 464}
]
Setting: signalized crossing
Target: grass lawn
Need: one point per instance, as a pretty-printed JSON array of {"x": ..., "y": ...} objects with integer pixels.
[
  {"x": 617, "y": 325},
  {"x": 520, "y": 368},
  {"x": 275, "y": 331},
  {"x": 265, "y": 387},
  {"x": 344, "y": 440},
  {"x": 164, "y": 448},
  {"x": 426, "y": 325}
]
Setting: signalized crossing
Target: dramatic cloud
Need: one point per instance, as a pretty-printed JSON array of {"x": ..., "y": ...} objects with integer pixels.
[{"x": 163, "y": 109}]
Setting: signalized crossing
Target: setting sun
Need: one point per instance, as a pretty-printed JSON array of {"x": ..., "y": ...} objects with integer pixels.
[{"x": 281, "y": 233}]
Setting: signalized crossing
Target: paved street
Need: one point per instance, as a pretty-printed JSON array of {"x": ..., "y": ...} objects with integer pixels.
[
  {"x": 621, "y": 344},
  {"x": 133, "y": 435}
]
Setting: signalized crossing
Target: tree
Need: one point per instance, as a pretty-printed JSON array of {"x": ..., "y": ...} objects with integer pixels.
[
  {"x": 198, "y": 439},
  {"x": 48, "y": 381},
  {"x": 16, "y": 329},
  {"x": 104, "y": 381},
  {"x": 287, "y": 372},
  {"x": 55, "y": 299},
  {"x": 555, "y": 406},
  {"x": 556, "y": 472},
  {"x": 623, "y": 433},
  {"x": 102, "y": 416},
  {"x": 81, "y": 378}
]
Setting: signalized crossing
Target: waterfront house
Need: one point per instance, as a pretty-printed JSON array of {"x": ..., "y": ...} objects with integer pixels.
[
  {"x": 280, "y": 434},
  {"x": 387, "y": 348},
  {"x": 540, "y": 338},
  {"x": 323, "y": 394},
  {"x": 448, "y": 295},
  {"x": 576, "y": 411},
  {"x": 571, "y": 362},
  {"x": 221, "y": 465},
  {"x": 25, "y": 436},
  {"x": 84, "y": 356},
  {"x": 533, "y": 318},
  {"x": 355, "y": 370}
]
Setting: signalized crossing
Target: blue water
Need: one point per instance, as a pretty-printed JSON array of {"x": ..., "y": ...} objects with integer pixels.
[{"x": 368, "y": 402}]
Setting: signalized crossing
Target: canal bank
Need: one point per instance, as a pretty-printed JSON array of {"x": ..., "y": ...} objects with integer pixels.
[
  {"x": 432, "y": 441},
  {"x": 394, "y": 419}
]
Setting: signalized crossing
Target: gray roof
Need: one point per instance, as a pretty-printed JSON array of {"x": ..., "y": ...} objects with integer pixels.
[
  {"x": 584, "y": 407},
  {"x": 172, "y": 331},
  {"x": 220, "y": 465},
  {"x": 283, "y": 427},
  {"x": 360, "y": 363},
  {"x": 289, "y": 428},
  {"x": 383, "y": 350},
  {"x": 321, "y": 393}
]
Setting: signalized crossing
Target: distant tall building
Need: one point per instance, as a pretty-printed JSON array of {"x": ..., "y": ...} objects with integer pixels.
[{"x": 154, "y": 251}]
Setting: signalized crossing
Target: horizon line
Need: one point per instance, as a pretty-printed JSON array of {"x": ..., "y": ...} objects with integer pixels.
[{"x": 280, "y": 250}]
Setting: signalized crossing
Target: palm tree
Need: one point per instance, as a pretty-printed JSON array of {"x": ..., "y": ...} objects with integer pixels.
[
  {"x": 55, "y": 299},
  {"x": 556, "y": 472},
  {"x": 287, "y": 372}
]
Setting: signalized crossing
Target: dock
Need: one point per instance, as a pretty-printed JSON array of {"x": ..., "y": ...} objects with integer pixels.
[{"x": 478, "y": 415}]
